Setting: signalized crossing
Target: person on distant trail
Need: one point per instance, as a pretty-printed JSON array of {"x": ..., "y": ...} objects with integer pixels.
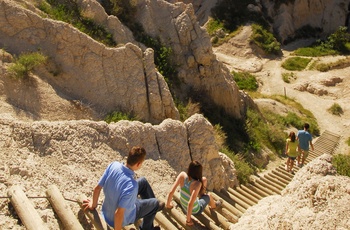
[
  {"x": 193, "y": 196},
  {"x": 121, "y": 206},
  {"x": 291, "y": 151},
  {"x": 305, "y": 141}
]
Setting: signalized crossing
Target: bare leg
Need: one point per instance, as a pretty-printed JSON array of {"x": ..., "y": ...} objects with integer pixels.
[
  {"x": 291, "y": 165},
  {"x": 288, "y": 164},
  {"x": 211, "y": 202}
]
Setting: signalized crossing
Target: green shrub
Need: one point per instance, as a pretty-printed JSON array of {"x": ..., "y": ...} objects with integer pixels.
[
  {"x": 342, "y": 163},
  {"x": 296, "y": 63},
  {"x": 245, "y": 81},
  {"x": 243, "y": 170},
  {"x": 335, "y": 109},
  {"x": 118, "y": 116},
  {"x": 265, "y": 40},
  {"x": 336, "y": 43},
  {"x": 25, "y": 63},
  {"x": 186, "y": 110},
  {"x": 213, "y": 26},
  {"x": 288, "y": 77}
]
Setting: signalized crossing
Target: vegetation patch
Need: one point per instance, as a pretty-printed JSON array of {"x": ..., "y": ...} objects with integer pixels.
[
  {"x": 245, "y": 81},
  {"x": 340, "y": 64},
  {"x": 335, "y": 109},
  {"x": 288, "y": 77},
  {"x": 118, "y": 116},
  {"x": 296, "y": 63},
  {"x": 219, "y": 34},
  {"x": 243, "y": 169},
  {"x": 68, "y": 11},
  {"x": 342, "y": 163},
  {"x": 336, "y": 43},
  {"x": 265, "y": 40},
  {"x": 25, "y": 63}
]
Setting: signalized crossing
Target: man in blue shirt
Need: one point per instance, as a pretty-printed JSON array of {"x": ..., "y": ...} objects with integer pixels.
[
  {"x": 305, "y": 140},
  {"x": 121, "y": 206}
]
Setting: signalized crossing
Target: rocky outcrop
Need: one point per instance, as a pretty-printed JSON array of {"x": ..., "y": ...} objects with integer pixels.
[
  {"x": 96, "y": 143},
  {"x": 288, "y": 17},
  {"x": 316, "y": 198},
  {"x": 108, "y": 79},
  {"x": 198, "y": 68}
]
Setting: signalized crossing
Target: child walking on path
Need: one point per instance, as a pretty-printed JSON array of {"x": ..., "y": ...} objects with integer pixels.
[
  {"x": 291, "y": 151},
  {"x": 193, "y": 197}
]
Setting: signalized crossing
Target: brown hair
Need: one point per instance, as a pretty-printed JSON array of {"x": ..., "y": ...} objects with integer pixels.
[
  {"x": 195, "y": 170},
  {"x": 137, "y": 154},
  {"x": 292, "y": 136}
]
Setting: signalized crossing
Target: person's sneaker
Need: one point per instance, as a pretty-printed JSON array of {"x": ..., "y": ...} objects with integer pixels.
[
  {"x": 156, "y": 228},
  {"x": 161, "y": 206},
  {"x": 292, "y": 172}
]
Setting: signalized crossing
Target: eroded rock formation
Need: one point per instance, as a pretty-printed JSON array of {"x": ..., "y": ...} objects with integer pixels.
[
  {"x": 316, "y": 198},
  {"x": 288, "y": 17}
]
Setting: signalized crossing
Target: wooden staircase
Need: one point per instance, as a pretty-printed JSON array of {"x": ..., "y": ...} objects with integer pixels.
[{"x": 235, "y": 200}]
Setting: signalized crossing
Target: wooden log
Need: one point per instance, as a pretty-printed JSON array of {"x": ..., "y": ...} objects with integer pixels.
[
  {"x": 25, "y": 209},
  {"x": 62, "y": 209},
  {"x": 93, "y": 215},
  {"x": 163, "y": 221}
]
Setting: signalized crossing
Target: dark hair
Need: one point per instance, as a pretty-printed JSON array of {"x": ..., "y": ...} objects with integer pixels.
[
  {"x": 137, "y": 154},
  {"x": 306, "y": 126},
  {"x": 195, "y": 170},
  {"x": 292, "y": 136}
]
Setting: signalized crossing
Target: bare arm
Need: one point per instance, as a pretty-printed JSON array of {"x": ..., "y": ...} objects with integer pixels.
[
  {"x": 92, "y": 204},
  {"x": 118, "y": 218},
  {"x": 179, "y": 180},
  {"x": 312, "y": 146}
]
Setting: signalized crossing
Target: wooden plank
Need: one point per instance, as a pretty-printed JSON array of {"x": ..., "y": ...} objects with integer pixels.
[
  {"x": 62, "y": 209},
  {"x": 25, "y": 209}
]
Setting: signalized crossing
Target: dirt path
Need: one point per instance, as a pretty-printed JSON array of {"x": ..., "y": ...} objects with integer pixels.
[{"x": 269, "y": 73}]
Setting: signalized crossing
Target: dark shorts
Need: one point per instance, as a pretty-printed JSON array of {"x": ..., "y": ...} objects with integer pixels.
[
  {"x": 203, "y": 202},
  {"x": 292, "y": 158}
]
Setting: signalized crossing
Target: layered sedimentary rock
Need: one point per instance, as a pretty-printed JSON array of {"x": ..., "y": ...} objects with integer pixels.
[{"x": 107, "y": 79}]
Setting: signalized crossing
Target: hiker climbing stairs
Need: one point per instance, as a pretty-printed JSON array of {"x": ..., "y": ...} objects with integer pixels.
[{"x": 235, "y": 201}]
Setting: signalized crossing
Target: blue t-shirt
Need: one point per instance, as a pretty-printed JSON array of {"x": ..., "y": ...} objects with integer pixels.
[
  {"x": 120, "y": 190},
  {"x": 304, "y": 138}
]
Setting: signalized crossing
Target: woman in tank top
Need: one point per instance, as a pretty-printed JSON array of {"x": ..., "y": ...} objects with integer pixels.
[
  {"x": 291, "y": 151},
  {"x": 193, "y": 196}
]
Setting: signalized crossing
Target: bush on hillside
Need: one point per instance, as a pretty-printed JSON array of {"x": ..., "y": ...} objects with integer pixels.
[
  {"x": 68, "y": 11},
  {"x": 25, "y": 63},
  {"x": 265, "y": 40},
  {"x": 342, "y": 164},
  {"x": 335, "y": 109}
]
